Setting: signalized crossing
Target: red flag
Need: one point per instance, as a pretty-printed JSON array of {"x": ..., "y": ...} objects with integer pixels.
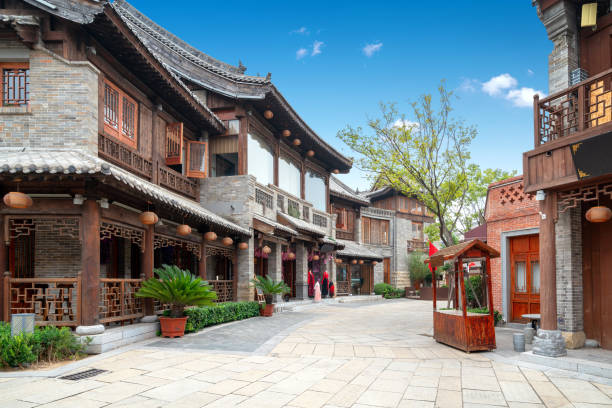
[{"x": 432, "y": 250}]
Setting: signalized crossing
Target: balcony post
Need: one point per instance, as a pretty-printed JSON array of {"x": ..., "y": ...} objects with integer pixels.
[
  {"x": 536, "y": 120},
  {"x": 301, "y": 270},
  {"x": 90, "y": 260},
  {"x": 6, "y": 308},
  {"x": 146, "y": 266},
  {"x": 580, "y": 111}
]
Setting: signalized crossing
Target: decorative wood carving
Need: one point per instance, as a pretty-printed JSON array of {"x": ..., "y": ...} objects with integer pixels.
[
  {"x": 571, "y": 199},
  {"x": 224, "y": 289},
  {"x": 135, "y": 235},
  {"x": 513, "y": 194},
  {"x": 66, "y": 226},
  {"x": 214, "y": 250},
  {"x": 118, "y": 300},
  {"x": 162, "y": 241}
]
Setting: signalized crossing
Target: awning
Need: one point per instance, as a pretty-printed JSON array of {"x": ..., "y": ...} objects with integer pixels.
[
  {"x": 469, "y": 249},
  {"x": 302, "y": 225},
  {"x": 268, "y": 226},
  {"x": 354, "y": 250},
  {"x": 78, "y": 162}
]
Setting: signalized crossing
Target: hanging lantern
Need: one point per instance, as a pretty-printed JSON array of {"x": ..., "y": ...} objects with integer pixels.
[
  {"x": 286, "y": 133},
  {"x": 227, "y": 241},
  {"x": 338, "y": 260},
  {"x": 354, "y": 262},
  {"x": 210, "y": 236},
  {"x": 15, "y": 199},
  {"x": 310, "y": 153},
  {"x": 599, "y": 213},
  {"x": 183, "y": 229},
  {"x": 315, "y": 257},
  {"x": 291, "y": 256},
  {"x": 336, "y": 171},
  {"x": 148, "y": 218},
  {"x": 374, "y": 262},
  {"x": 297, "y": 142},
  {"x": 266, "y": 249},
  {"x": 268, "y": 114},
  {"x": 361, "y": 262},
  {"x": 243, "y": 245}
]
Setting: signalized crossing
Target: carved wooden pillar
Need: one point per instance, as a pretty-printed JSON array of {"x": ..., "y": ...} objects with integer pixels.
[
  {"x": 462, "y": 282},
  {"x": 3, "y": 269},
  {"x": 202, "y": 263},
  {"x": 548, "y": 273},
  {"x": 90, "y": 261},
  {"x": 146, "y": 266}
]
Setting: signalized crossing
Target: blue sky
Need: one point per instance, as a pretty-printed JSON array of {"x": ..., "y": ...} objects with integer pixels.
[{"x": 335, "y": 61}]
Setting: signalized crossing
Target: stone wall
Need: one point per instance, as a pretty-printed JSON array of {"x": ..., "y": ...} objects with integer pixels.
[
  {"x": 56, "y": 256},
  {"x": 63, "y": 110},
  {"x": 229, "y": 197}
]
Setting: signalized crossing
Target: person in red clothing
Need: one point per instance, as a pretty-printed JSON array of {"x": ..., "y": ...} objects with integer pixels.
[
  {"x": 311, "y": 283},
  {"x": 325, "y": 284},
  {"x": 332, "y": 289}
]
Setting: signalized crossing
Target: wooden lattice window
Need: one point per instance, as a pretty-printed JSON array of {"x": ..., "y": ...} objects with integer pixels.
[
  {"x": 174, "y": 143},
  {"x": 197, "y": 165},
  {"x": 120, "y": 115},
  {"x": 15, "y": 83},
  {"x": 341, "y": 220}
]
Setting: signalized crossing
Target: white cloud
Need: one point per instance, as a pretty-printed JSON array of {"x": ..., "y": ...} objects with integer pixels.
[
  {"x": 523, "y": 97},
  {"x": 469, "y": 85},
  {"x": 370, "y": 49},
  {"x": 530, "y": 72},
  {"x": 301, "y": 53},
  {"x": 301, "y": 30},
  {"x": 405, "y": 123},
  {"x": 316, "y": 47},
  {"x": 497, "y": 84}
]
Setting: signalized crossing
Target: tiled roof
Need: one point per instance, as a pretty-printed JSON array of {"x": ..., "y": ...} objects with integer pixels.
[
  {"x": 354, "y": 250},
  {"x": 78, "y": 162},
  {"x": 339, "y": 189},
  {"x": 302, "y": 225},
  {"x": 479, "y": 232},
  {"x": 455, "y": 251},
  {"x": 275, "y": 224}
]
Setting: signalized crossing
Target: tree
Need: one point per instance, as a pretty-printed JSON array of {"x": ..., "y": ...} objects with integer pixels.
[
  {"x": 418, "y": 269},
  {"x": 427, "y": 158}
]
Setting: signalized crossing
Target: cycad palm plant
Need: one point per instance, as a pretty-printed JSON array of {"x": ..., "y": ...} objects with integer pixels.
[
  {"x": 178, "y": 288},
  {"x": 270, "y": 287}
]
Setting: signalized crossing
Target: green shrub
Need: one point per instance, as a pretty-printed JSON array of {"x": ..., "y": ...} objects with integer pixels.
[
  {"x": 381, "y": 288},
  {"x": 201, "y": 317},
  {"x": 47, "y": 343},
  {"x": 497, "y": 316},
  {"x": 388, "y": 291},
  {"x": 476, "y": 283},
  {"x": 480, "y": 310}
]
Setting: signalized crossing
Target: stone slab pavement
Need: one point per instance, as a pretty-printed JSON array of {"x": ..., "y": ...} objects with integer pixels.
[{"x": 375, "y": 355}]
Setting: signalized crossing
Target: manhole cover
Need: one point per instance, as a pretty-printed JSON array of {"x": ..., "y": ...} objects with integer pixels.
[{"x": 83, "y": 374}]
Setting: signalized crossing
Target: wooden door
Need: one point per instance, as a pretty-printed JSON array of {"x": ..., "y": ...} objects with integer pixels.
[
  {"x": 597, "y": 280},
  {"x": 387, "y": 266},
  {"x": 524, "y": 277}
]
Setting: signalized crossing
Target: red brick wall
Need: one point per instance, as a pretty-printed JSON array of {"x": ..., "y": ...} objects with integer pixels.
[{"x": 508, "y": 208}]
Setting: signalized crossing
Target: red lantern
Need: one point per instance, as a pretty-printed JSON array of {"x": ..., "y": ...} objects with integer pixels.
[
  {"x": 268, "y": 114},
  {"x": 354, "y": 262},
  {"x": 315, "y": 257},
  {"x": 15, "y": 199},
  {"x": 148, "y": 218},
  {"x": 599, "y": 214},
  {"x": 297, "y": 142},
  {"x": 310, "y": 153},
  {"x": 227, "y": 241},
  {"x": 338, "y": 260},
  {"x": 266, "y": 249},
  {"x": 243, "y": 245},
  {"x": 183, "y": 229},
  {"x": 291, "y": 256},
  {"x": 210, "y": 236},
  {"x": 361, "y": 262},
  {"x": 374, "y": 262},
  {"x": 286, "y": 133}
]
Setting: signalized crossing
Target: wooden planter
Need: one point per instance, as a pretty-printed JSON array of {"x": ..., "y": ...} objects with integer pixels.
[
  {"x": 473, "y": 332},
  {"x": 172, "y": 326},
  {"x": 268, "y": 310}
]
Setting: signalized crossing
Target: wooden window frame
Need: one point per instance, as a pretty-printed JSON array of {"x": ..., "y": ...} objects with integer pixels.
[
  {"x": 342, "y": 219},
  {"x": 119, "y": 132},
  {"x": 177, "y": 159},
  {"x": 14, "y": 65},
  {"x": 196, "y": 173}
]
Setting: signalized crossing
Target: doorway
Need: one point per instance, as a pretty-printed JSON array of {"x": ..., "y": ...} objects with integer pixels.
[
  {"x": 387, "y": 269},
  {"x": 525, "y": 277}
]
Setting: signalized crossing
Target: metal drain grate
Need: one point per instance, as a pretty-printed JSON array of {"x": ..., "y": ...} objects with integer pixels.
[{"x": 83, "y": 374}]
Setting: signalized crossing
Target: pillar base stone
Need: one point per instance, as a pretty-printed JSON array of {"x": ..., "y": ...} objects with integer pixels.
[
  {"x": 549, "y": 343},
  {"x": 574, "y": 340},
  {"x": 149, "y": 319},
  {"x": 301, "y": 291},
  {"x": 89, "y": 330}
]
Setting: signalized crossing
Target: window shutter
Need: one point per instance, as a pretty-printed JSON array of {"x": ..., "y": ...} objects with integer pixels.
[
  {"x": 197, "y": 152},
  {"x": 174, "y": 143}
]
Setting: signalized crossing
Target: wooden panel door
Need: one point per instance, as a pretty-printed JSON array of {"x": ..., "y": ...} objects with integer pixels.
[
  {"x": 387, "y": 267},
  {"x": 525, "y": 277}
]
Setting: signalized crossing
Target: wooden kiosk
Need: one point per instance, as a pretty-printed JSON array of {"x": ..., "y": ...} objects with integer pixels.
[{"x": 456, "y": 326}]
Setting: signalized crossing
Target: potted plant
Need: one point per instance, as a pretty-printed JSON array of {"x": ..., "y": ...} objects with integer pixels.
[
  {"x": 177, "y": 288},
  {"x": 269, "y": 288}
]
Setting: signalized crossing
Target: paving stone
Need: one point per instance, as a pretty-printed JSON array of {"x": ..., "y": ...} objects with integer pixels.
[
  {"x": 328, "y": 385},
  {"x": 195, "y": 400},
  {"x": 347, "y": 396},
  {"x": 383, "y": 384},
  {"x": 581, "y": 391},
  {"x": 226, "y": 387},
  {"x": 550, "y": 395},
  {"x": 266, "y": 399},
  {"x": 115, "y": 391},
  {"x": 450, "y": 383},
  {"x": 449, "y": 399},
  {"x": 518, "y": 392},
  {"x": 71, "y": 402},
  {"x": 483, "y": 397},
  {"x": 253, "y": 388},
  {"x": 176, "y": 390},
  {"x": 311, "y": 399},
  {"x": 380, "y": 398},
  {"x": 420, "y": 393},
  {"x": 480, "y": 382}
]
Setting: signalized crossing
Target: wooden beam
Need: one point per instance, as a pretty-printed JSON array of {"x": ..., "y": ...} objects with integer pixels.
[
  {"x": 548, "y": 278},
  {"x": 147, "y": 263},
  {"x": 90, "y": 261}
]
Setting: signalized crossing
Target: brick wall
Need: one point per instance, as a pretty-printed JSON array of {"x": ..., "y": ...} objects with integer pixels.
[
  {"x": 63, "y": 111},
  {"x": 56, "y": 256},
  {"x": 508, "y": 209}
]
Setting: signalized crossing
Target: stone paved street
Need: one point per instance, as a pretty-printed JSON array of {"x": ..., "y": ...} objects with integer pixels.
[{"x": 360, "y": 355}]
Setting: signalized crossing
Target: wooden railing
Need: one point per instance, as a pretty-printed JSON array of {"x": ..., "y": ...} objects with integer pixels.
[
  {"x": 177, "y": 182},
  {"x": 54, "y": 301},
  {"x": 349, "y": 236},
  {"x": 580, "y": 107},
  {"x": 263, "y": 198},
  {"x": 224, "y": 289},
  {"x": 416, "y": 245},
  {"x": 343, "y": 288},
  {"x": 116, "y": 152},
  {"x": 118, "y": 301}
]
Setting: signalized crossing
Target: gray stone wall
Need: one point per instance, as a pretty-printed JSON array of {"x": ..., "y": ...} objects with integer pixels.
[
  {"x": 568, "y": 245},
  {"x": 63, "y": 109},
  {"x": 229, "y": 197},
  {"x": 56, "y": 256},
  {"x": 245, "y": 272},
  {"x": 275, "y": 265},
  {"x": 301, "y": 270},
  {"x": 400, "y": 276}
]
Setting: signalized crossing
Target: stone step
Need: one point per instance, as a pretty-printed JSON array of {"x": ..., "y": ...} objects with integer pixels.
[{"x": 595, "y": 368}]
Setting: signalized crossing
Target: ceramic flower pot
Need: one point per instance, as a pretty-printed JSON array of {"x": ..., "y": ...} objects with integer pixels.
[
  {"x": 268, "y": 310},
  {"x": 172, "y": 326}
]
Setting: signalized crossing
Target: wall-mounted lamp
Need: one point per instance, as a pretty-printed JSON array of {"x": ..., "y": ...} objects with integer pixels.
[
  {"x": 104, "y": 202},
  {"x": 78, "y": 199},
  {"x": 540, "y": 195}
]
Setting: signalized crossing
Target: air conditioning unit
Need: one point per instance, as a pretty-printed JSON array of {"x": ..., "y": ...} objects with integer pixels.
[{"x": 578, "y": 75}]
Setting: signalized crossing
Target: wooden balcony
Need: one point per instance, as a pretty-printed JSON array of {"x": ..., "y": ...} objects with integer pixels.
[
  {"x": 175, "y": 181},
  {"x": 124, "y": 156},
  {"x": 563, "y": 119}
]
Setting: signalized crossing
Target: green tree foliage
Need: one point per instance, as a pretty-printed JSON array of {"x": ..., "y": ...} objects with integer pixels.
[
  {"x": 177, "y": 288},
  {"x": 427, "y": 157},
  {"x": 418, "y": 269},
  {"x": 270, "y": 287}
]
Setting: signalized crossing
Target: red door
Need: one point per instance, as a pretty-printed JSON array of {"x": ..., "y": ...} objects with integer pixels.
[
  {"x": 525, "y": 277},
  {"x": 387, "y": 266}
]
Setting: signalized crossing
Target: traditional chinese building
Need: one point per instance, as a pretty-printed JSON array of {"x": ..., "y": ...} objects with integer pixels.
[{"x": 569, "y": 172}]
